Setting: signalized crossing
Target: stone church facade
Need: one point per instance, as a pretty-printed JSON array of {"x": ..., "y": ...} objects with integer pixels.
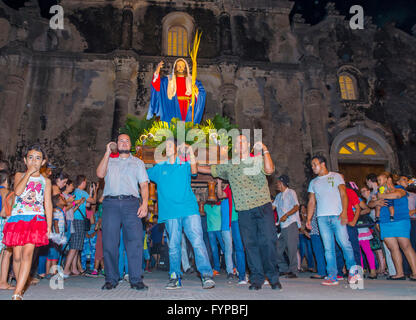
[{"x": 347, "y": 94}]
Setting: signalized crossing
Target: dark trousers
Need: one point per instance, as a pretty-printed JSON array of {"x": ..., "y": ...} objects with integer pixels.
[
  {"x": 318, "y": 250},
  {"x": 353, "y": 237},
  {"x": 259, "y": 236},
  {"x": 116, "y": 214},
  {"x": 305, "y": 249},
  {"x": 206, "y": 238},
  {"x": 288, "y": 242}
]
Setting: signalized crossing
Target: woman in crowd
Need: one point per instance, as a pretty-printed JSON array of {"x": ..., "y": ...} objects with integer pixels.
[
  {"x": 305, "y": 246},
  {"x": 318, "y": 249},
  {"x": 375, "y": 242},
  {"x": 396, "y": 234},
  {"x": 59, "y": 183}
]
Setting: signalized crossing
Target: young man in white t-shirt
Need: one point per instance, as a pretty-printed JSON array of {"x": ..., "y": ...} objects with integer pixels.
[{"x": 327, "y": 192}]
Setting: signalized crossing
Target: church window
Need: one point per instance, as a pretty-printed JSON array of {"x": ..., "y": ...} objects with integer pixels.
[{"x": 346, "y": 84}]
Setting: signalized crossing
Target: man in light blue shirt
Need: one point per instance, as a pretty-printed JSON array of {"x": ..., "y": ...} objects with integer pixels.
[
  {"x": 178, "y": 208},
  {"x": 123, "y": 206},
  {"x": 287, "y": 207}
]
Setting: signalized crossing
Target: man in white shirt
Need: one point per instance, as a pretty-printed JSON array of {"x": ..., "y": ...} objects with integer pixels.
[
  {"x": 327, "y": 192},
  {"x": 287, "y": 207}
]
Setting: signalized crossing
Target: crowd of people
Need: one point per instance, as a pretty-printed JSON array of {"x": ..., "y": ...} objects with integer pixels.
[{"x": 50, "y": 221}]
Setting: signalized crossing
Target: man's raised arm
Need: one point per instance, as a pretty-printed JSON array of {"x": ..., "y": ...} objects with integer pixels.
[{"x": 102, "y": 167}]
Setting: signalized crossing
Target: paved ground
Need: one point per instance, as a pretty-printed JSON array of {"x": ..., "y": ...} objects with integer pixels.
[{"x": 85, "y": 288}]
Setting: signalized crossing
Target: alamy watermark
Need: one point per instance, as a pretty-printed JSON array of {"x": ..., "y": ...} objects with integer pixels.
[
  {"x": 357, "y": 21},
  {"x": 57, "y": 21},
  {"x": 57, "y": 281},
  {"x": 357, "y": 280}
]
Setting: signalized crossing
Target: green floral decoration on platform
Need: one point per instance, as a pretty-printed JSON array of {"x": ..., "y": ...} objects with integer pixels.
[{"x": 143, "y": 131}]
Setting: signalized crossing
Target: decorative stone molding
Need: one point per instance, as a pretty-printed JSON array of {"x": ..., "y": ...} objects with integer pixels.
[
  {"x": 5, "y": 30},
  {"x": 225, "y": 32},
  {"x": 15, "y": 82},
  {"x": 228, "y": 93},
  {"x": 127, "y": 26},
  {"x": 126, "y": 68},
  {"x": 331, "y": 10},
  {"x": 18, "y": 66},
  {"x": 297, "y": 18},
  {"x": 227, "y": 71},
  {"x": 128, "y": 4},
  {"x": 313, "y": 97}
]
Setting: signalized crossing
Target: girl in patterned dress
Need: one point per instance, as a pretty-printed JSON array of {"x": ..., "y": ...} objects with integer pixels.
[{"x": 30, "y": 222}]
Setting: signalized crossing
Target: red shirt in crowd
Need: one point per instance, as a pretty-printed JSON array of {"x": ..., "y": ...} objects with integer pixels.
[{"x": 353, "y": 200}]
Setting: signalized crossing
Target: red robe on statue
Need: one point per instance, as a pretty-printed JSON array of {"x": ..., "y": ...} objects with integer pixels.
[
  {"x": 180, "y": 92},
  {"x": 183, "y": 99}
]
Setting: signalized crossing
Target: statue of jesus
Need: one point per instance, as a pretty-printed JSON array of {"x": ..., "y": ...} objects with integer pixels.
[{"x": 171, "y": 96}]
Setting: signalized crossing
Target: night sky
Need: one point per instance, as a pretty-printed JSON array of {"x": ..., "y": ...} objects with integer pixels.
[{"x": 403, "y": 12}]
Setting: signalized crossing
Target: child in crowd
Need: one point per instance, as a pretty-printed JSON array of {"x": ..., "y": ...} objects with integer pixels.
[
  {"x": 146, "y": 254},
  {"x": 69, "y": 213},
  {"x": 156, "y": 239},
  {"x": 382, "y": 182},
  {"x": 58, "y": 227},
  {"x": 30, "y": 222},
  {"x": 99, "y": 256},
  {"x": 6, "y": 253},
  {"x": 90, "y": 240}
]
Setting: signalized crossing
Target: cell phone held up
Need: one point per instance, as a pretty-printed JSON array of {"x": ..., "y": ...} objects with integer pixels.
[{"x": 113, "y": 147}]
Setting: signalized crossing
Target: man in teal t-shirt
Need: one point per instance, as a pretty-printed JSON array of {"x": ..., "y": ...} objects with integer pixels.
[
  {"x": 213, "y": 212},
  {"x": 178, "y": 208}
]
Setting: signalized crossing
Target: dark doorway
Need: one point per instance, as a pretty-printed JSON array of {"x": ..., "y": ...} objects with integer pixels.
[{"x": 358, "y": 171}]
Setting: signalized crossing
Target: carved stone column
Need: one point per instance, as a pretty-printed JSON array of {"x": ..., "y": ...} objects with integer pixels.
[
  {"x": 126, "y": 74},
  {"x": 317, "y": 115},
  {"x": 226, "y": 47},
  {"x": 228, "y": 90},
  {"x": 11, "y": 100},
  {"x": 127, "y": 26}
]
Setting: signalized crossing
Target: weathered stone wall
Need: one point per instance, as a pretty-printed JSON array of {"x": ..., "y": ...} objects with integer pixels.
[
  {"x": 71, "y": 89},
  {"x": 382, "y": 61}
]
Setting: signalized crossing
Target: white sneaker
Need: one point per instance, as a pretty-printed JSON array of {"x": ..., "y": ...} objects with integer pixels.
[
  {"x": 242, "y": 282},
  {"x": 126, "y": 277}
]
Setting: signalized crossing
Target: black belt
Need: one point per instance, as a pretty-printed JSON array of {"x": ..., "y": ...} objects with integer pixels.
[{"x": 122, "y": 197}]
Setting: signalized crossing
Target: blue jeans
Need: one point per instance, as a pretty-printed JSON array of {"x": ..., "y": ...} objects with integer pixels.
[
  {"x": 192, "y": 227},
  {"x": 184, "y": 252},
  {"x": 305, "y": 248},
  {"x": 239, "y": 250},
  {"x": 122, "y": 258},
  {"x": 228, "y": 250},
  {"x": 318, "y": 250},
  {"x": 43, "y": 254},
  {"x": 213, "y": 237},
  {"x": 330, "y": 226},
  {"x": 353, "y": 237}
]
